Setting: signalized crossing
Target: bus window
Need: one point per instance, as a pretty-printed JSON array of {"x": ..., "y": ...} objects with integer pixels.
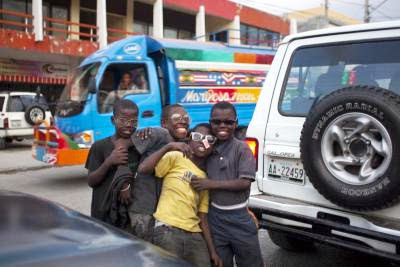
[{"x": 120, "y": 80}]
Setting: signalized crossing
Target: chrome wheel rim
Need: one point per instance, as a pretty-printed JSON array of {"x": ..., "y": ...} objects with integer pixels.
[
  {"x": 356, "y": 148},
  {"x": 36, "y": 115}
]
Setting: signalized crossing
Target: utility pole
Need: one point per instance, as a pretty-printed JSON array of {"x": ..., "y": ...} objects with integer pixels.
[
  {"x": 326, "y": 9},
  {"x": 366, "y": 11}
]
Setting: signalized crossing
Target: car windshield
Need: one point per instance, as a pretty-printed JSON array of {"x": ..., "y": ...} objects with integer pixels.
[
  {"x": 82, "y": 82},
  {"x": 317, "y": 71}
]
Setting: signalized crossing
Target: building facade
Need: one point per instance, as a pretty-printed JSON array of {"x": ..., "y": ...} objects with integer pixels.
[{"x": 42, "y": 40}]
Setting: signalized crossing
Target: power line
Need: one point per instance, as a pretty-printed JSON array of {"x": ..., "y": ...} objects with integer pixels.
[
  {"x": 378, "y": 6},
  {"x": 348, "y": 3}
]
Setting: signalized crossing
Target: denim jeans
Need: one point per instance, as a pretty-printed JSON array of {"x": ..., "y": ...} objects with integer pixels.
[{"x": 186, "y": 245}]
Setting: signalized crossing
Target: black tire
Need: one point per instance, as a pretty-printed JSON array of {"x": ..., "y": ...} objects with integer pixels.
[
  {"x": 289, "y": 242},
  {"x": 34, "y": 113},
  {"x": 2, "y": 143},
  {"x": 375, "y": 105}
]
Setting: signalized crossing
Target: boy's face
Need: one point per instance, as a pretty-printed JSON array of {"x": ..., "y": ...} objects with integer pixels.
[
  {"x": 177, "y": 123},
  {"x": 201, "y": 142},
  {"x": 125, "y": 122},
  {"x": 223, "y": 123}
]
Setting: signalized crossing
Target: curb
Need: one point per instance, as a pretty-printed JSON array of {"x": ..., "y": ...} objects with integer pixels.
[{"x": 24, "y": 169}]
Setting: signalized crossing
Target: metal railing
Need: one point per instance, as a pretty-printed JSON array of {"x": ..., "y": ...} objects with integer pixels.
[
  {"x": 117, "y": 34},
  {"x": 26, "y": 25},
  {"x": 49, "y": 28}
]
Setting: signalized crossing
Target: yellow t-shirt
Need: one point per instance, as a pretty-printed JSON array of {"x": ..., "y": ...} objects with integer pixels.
[{"x": 179, "y": 203}]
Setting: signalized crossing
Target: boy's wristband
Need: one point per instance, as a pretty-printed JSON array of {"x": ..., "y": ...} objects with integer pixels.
[{"x": 127, "y": 188}]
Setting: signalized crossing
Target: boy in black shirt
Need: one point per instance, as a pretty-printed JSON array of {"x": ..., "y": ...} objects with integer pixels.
[{"x": 105, "y": 156}]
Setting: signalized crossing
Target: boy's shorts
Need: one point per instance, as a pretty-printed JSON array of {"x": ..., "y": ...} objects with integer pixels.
[{"x": 235, "y": 234}]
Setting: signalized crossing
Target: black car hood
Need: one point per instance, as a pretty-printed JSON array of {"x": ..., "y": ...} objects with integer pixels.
[{"x": 37, "y": 232}]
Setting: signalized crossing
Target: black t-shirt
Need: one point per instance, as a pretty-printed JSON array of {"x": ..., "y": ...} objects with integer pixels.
[
  {"x": 147, "y": 187},
  {"x": 98, "y": 153}
]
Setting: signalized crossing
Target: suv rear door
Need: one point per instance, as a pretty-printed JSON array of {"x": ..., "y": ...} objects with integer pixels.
[
  {"x": 16, "y": 107},
  {"x": 283, "y": 173}
]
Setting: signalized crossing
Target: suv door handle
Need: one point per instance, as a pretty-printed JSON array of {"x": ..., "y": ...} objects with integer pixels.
[{"x": 147, "y": 114}]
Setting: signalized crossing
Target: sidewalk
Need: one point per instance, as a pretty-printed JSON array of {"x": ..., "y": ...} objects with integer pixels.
[{"x": 18, "y": 157}]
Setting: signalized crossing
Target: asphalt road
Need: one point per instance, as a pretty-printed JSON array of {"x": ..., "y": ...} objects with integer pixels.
[{"x": 68, "y": 187}]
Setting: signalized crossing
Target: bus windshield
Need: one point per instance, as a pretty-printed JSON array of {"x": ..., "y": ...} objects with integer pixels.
[
  {"x": 77, "y": 90},
  {"x": 82, "y": 82}
]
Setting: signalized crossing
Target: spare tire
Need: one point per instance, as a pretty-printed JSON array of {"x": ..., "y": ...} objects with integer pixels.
[
  {"x": 350, "y": 147},
  {"x": 34, "y": 113}
]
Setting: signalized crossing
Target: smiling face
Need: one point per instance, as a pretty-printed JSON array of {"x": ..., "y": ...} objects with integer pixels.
[
  {"x": 223, "y": 123},
  {"x": 201, "y": 149},
  {"x": 125, "y": 122},
  {"x": 177, "y": 123}
]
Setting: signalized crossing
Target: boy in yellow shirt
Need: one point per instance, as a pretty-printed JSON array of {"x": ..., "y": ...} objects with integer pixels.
[{"x": 181, "y": 215}]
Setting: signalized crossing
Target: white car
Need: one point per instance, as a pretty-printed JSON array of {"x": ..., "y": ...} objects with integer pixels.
[
  {"x": 325, "y": 133},
  {"x": 19, "y": 111}
]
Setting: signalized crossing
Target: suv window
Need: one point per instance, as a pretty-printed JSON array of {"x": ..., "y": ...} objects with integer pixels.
[
  {"x": 16, "y": 104},
  {"x": 317, "y": 71},
  {"x": 2, "y": 99}
]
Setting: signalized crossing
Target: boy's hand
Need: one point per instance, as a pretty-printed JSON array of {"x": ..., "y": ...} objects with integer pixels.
[
  {"x": 125, "y": 195},
  {"x": 216, "y": 260},
  {"x": 119, "y": 156},
  {"x": 144, "y": 133},
  {"x": 200, "y": 183},
  {"x": 182, "y": 147}
]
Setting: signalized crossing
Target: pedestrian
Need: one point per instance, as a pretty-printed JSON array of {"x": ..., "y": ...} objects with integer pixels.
[
  {"x": 146, "y": 189},
  {"x": 105, "y": 157},
  {"x": 230, "y": 169},
  {"x": 181, "y": 222}
]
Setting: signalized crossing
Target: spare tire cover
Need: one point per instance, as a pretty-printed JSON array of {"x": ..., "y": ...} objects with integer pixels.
[
  {"x": 34, "y": 113},
  {"x": 350, "y": 147}
]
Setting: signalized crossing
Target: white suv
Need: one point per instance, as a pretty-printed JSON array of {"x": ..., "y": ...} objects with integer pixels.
[
  {"x": 327, "y": 125},
  {"x": 19, "y": 111}
]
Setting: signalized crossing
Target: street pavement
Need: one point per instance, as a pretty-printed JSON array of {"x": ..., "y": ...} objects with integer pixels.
[
  {"x": 68, "y": 186},
  {"x": 18, "y": 157}
]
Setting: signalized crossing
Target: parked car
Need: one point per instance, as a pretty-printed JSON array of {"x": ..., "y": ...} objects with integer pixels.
[
  {"x": 19, "y": 111},
  {"x": 325, "y": 132},
  {"x": 38, "y": 232}
]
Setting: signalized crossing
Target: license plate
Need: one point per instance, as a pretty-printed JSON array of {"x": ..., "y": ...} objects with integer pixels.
[
  {"x": 16, "y": 123},
  {"x": 286, "y": 170}
]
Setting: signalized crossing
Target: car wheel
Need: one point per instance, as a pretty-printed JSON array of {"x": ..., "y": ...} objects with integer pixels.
[
  {"x": 34, "y": 114},
  {"x": 350, "y": 147},
  {"x": 2, "y": 143},
  {"x": 289, "y": 242}
]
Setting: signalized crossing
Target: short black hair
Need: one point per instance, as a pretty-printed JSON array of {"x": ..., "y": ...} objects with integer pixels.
[
  {"x": 124, "y": 104},
  {"x": 203, "y": 124},
  {"x": 165, "y": 113},
  {"x": 223, "y": 105}
]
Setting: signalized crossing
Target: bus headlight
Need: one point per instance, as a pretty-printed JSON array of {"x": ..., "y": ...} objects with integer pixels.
[{"x": 84, "y": 139}]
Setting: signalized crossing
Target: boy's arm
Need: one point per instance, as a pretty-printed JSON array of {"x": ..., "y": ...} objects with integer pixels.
[
  {"x": 207, "y": 237},
  {"x": 246, "y": 172},
  {"x": 119, "y": 156},
  {"x": 147, "y": 166},
  {"x": 229, "y": 185}
]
